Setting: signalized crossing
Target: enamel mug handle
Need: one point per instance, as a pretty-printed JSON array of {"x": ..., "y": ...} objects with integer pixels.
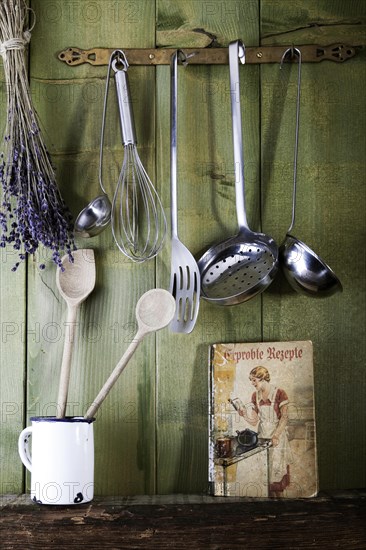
[{"x": 23, "y": 448}]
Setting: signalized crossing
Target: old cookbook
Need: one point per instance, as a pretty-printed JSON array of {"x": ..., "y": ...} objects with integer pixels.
[{"x": 262, "y": 437}]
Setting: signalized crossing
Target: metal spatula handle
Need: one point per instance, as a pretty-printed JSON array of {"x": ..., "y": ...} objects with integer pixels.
[{"x": 173, "y": 144}]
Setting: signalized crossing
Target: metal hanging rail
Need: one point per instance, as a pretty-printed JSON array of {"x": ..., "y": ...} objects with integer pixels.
[{"x": 311, "y": 53}]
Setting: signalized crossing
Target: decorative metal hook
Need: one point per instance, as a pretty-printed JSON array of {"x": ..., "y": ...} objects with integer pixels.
[
  {"x": 295, "y": 52},
  {"x": 184, "y": 58},
  {"x": 118, "y": 57},
  {"x": 241, "y": 47}
]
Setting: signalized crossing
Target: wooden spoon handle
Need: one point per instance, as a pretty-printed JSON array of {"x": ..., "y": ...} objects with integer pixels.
[
  {"x": 115, "y": 374},
  {"x": 66, "y": 361}
]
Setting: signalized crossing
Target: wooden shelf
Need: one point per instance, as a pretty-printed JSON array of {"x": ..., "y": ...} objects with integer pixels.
[{"x": 334, "y": 520}]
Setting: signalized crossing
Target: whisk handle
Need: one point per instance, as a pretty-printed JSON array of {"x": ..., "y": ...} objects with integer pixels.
[{"x": 125, "y": 108}]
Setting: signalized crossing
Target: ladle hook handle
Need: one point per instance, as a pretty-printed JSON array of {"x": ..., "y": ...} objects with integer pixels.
[
  {"x": 294, "y": 52},
  {"x": 236, "y": 52}
]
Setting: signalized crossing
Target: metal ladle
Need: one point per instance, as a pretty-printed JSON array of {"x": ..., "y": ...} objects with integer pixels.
[
  {"x": 95, "y": 217},
  {"x": 305, "y": 271},
  {"x": 242, "y": 266}
]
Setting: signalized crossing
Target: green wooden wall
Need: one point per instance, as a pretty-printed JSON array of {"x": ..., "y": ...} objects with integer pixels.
[{"x": 151, "y": 434}]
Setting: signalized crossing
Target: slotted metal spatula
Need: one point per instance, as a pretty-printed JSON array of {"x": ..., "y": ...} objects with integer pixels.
[{"x": 185, "y": 281}]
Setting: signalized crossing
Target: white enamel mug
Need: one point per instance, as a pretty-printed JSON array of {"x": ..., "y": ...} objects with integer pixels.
[{"x": 61, "y": 461}]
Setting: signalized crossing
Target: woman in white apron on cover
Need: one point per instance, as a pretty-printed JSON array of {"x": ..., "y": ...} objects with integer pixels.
[{"x": 269, "y": 409}]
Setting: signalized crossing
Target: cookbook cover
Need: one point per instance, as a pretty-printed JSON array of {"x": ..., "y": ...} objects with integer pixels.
[{"x": 262, "y": 420}]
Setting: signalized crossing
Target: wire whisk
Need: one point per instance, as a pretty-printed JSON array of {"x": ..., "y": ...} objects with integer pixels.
[{"x": 138, "y": 220}]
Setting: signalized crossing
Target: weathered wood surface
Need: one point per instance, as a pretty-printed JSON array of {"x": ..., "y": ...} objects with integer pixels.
[
  {"x": 151, "y": 434},
  {"x": 330, "y": 201},
  {"x": 184, "y": 521},
  {"x": 12, "y": 353}
]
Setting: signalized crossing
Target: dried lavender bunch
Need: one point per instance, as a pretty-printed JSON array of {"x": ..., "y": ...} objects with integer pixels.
[{"x": 32, "y": 211}]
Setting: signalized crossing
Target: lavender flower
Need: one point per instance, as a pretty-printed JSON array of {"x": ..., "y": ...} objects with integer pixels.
[{"x": 32, "y": 210}]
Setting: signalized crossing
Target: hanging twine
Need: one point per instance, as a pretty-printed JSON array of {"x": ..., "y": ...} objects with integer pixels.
[{"x": 18, "y": 43}]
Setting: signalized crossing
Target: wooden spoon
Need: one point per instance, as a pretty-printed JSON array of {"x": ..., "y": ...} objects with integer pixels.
[
  {"x": 75, "y": 284},
  {"x": 154, "y": 311}
]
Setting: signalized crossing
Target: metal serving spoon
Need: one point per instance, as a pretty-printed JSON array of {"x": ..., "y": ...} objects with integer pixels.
[{"x": 306, "y": 272}]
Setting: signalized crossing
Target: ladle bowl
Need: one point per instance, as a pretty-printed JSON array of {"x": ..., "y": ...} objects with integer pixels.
[
  {"x": 305, "y": 271},
  {"x": 93, "y": 219}
]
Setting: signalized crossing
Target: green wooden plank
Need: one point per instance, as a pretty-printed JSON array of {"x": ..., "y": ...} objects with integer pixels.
[
  {"x": 12, "y": 353},
  {"x": 124, "y": 430},
  {"x": 87, "y": 24},
  {"x": 330, "y": 219},
  {"x": 12, "y": 350},
  {"x": 318, "y": 22},
  {"x": 207, "y": 213}
]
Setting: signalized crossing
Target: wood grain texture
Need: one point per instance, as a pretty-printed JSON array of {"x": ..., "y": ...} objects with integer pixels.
[
  {"x": 12, "y": 348},
  {"x": 183, "y": 521},
  {"x": 12, "y": 372},
  {"x": 329, "y": 218}
]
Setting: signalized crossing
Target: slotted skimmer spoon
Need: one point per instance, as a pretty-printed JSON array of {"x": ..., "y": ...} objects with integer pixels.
[
  {"x": 306, "y": 272},
  {"x": 184, "y": 274},
  {"x": 242, "y": 266}
]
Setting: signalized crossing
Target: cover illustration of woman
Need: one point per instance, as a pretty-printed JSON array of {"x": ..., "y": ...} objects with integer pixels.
[{"x": 269, "y": 410}]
